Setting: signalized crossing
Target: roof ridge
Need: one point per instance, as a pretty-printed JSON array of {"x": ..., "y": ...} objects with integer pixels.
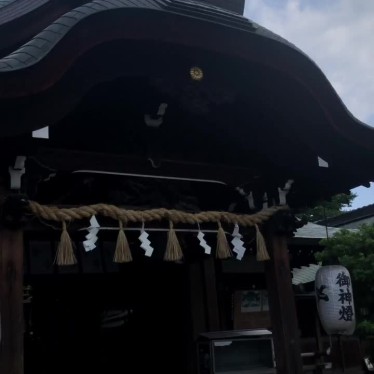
[{"x": 349, "y": 213}]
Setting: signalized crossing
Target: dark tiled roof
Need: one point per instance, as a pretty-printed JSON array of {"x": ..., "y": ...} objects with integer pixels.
[
  {"x": 314, "y": 231},
  {"x": 305, "y": 274},
  {"x": 266, "y": 48},
  {"x": 39, "y": 46},
  {"x": 4, "y": 3},
  {"x": 234, "y": 5},
  {"x": 351, "y": 216},
  {"x": 13, "y": 9}
]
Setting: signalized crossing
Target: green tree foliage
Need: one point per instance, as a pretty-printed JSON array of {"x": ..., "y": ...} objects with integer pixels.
[
  {"x": 328, "y": 209},
  {"x": 355, "y": 251}
]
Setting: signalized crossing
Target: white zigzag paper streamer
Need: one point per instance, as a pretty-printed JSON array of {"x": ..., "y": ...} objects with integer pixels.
[
  {"x": 145, "y": 243},
  {"x": 203, "y": 243},
  {"x": 91, "y": 238},
  {"x": 238, "y": 243}
]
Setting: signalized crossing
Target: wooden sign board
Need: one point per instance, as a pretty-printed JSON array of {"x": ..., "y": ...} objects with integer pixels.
[{"x": 251, "y": 310}]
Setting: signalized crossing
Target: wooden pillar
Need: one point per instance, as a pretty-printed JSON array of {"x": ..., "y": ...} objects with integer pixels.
[
  {"x": 203, "y": 302},
  {"x": 197, "y": 309},
  {"x": 203, "y": 297},
  {"x": 11, "y": 301},
  {"x": 197, "y": 300},
  {"x": 210, "y": 283},
  {"x": 282, "y": 306}
]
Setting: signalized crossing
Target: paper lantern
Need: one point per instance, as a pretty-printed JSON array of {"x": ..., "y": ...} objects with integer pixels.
[{"x": 334, "y": 298}]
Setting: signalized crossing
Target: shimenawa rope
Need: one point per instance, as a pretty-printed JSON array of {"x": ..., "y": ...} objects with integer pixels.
[{"x": 65, "y": 254}]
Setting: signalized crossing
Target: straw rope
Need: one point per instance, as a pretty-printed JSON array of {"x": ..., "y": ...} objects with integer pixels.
[
  {"x": 56, "y": 214},
  {"x": 223, "y": 249},
  {"x": 122, "y": 253},
  {"x": 66, "y": 256},
  {"x": 65, "y": 252}
]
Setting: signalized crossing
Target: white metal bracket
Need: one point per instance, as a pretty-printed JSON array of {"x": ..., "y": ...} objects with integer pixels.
[
  {"x": 156, "y": 122},
  {"x": 248, "y": 197},
  {"x": 284, "y": 191},
  {"x": 16, "y": 172}
]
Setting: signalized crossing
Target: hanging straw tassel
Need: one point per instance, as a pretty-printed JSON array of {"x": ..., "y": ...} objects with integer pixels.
[
  {"x": 122, "y": 253},
  {"x": 173, "y": 249},
  {"x": 65, "y": 253},
  {"x": 262, "y": 252},
  {"x": 223, "y": 249}
]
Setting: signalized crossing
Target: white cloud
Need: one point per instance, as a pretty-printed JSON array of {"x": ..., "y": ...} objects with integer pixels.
[
  {"x": 337, "y": 34},
  {"x": 365, "y": 196}
]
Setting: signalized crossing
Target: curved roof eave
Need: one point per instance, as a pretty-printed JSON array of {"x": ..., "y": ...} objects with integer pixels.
[
  {"x": 23, "y": 72},
  {"x": 20, "y": 20}
]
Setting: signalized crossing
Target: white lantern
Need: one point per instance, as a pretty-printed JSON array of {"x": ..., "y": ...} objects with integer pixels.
[{"x": 334, "y": 297}]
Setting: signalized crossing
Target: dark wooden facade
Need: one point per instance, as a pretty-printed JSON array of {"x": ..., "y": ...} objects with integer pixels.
[{"x": 98, "y": 73}]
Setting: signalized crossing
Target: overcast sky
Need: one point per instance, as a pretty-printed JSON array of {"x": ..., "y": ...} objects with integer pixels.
[{"x": 339, "y": 36}]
